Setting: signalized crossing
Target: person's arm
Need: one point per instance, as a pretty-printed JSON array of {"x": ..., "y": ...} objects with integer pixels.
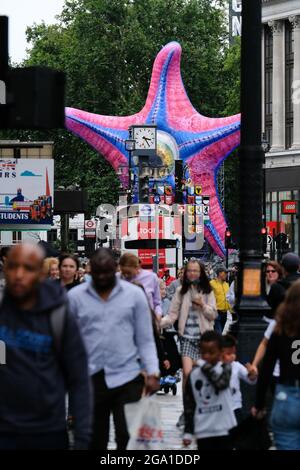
[
  {"x": 266, "y": 371},
  {"x": 75, "y": 368},
  {"x": 189, "y": 406},
  {"x": 143, "y": 334},
  {"x": 260, "y": 352},
  {"x": 209, "y": 309},
  {"x": 174, "y": 311},
  {"x": 157, "y": 297},
  {"x": 246, "y": 374}
]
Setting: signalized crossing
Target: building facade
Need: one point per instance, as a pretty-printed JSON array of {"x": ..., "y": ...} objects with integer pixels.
[{"x": 281, "y": 112}]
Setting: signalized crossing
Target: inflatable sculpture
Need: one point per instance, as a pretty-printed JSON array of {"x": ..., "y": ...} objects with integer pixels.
[{"x": 201, "y": 142}]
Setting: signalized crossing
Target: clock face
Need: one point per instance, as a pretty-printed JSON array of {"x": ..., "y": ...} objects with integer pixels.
[{"x": 145, "y": 138}]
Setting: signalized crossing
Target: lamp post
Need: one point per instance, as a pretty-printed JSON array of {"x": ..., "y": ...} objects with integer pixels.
[
  {"x": 130, "y": 147},
  {"x": 251, "y": 300},
  {"x": 266, "y": 147},
  {"x": 251, "y": 284}
]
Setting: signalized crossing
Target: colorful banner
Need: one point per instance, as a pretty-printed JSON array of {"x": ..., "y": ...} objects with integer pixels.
[{"x": 26, "y": 193}]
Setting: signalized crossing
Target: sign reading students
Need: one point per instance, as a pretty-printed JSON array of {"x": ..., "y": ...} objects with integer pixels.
[{"x": 235, "y": 19}]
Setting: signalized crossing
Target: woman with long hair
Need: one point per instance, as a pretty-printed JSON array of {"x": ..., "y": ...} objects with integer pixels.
[
  {"x": 68, "y": 270},
  {"x": 194, "y": 306},
  {"x": 284, "y": 345}
]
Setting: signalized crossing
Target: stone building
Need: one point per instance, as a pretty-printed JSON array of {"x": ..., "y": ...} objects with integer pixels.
[{"x": 281, "y": 111}]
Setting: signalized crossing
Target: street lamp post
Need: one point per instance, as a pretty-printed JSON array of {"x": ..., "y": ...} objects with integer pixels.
[
  {"x": 130, "y": 147},
  {"x": 266, "y": 147},
  {"x": 251, "y": 300},
  {"x": 251, "y": 284}
]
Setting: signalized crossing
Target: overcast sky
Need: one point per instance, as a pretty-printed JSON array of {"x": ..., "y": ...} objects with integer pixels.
[{"x": 23, "y": 13}]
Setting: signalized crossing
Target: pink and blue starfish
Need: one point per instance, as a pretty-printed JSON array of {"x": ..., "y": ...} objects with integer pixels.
[{"x": 203, "y": 143}]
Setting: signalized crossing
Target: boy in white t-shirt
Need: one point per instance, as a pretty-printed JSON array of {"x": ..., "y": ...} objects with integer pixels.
[
  {"x": 208, "y": 412},
  {"x": 239, "y": 372}
]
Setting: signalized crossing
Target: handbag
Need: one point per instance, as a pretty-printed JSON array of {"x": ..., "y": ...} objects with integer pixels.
[{"x": 144, "y": 424}]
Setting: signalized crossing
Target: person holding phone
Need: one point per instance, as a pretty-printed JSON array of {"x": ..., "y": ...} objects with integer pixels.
[{"x": 194, "y": 306}]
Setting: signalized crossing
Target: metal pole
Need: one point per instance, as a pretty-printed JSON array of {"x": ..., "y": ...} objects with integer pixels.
[
  {"x": 64, "y": 232},
  {"x": 251, "y": 303},
  {"x": 3, "y": 67},
  {"x": 250, "y": 296},
  {"x": 129, "y": 167},
  {"x": 3, "y": 47},
  {"x": 157, "y": 236}
]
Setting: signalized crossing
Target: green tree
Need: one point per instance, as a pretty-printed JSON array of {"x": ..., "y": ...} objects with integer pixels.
[{"x": 231, "y": 80}]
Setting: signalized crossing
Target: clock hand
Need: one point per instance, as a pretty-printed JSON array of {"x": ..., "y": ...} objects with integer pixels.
[{"x": 146, "y": 139}]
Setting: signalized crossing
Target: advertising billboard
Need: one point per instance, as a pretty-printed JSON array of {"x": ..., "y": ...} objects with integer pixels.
[{"x": 26, "y": 194}]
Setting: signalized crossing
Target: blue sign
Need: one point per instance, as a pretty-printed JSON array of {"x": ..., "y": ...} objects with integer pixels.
[{"x": 156, "y": 199}]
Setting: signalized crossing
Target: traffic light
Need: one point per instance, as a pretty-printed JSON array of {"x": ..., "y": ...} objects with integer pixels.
[
  {"x": 144, "y": 190},
  {"x": 264, "y": 234},
  {"x": 229, "y": 243},
  {"x": 228, "y": 239}
]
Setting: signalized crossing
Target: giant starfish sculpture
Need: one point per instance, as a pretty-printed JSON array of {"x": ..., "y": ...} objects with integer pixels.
[{"x": 203, "y": 143}]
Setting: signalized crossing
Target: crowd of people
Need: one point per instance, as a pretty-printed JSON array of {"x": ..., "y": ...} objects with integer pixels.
[{"x": 84, "y": 340}]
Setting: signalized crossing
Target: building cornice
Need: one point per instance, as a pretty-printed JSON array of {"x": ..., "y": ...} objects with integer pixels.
[
  {"x": 289, "y": 158},
  {"x": 279, "y": 9}
]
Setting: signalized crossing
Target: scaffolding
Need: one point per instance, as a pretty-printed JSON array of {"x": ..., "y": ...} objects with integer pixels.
[{"x": 221, "y": 185}]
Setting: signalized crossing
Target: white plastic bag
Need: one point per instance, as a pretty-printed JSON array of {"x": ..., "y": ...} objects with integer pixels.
[
  {"x": 228, "y": 323},
  {"x": 144, "y": 425}
]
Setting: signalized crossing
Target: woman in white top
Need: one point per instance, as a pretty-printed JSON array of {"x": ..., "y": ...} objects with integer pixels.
[{"x": 194, "y": 306}]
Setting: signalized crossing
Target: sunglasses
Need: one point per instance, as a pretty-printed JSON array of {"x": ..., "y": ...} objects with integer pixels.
[{"x": 271, "y": 271}]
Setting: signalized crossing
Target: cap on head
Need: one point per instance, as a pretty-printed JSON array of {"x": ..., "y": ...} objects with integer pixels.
[{"x": 291, "y": 262}]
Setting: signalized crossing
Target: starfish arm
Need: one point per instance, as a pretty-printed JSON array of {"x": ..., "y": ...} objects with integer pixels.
[
  {"x": 167, "y": 97},
  {"x": 203, "y": 169}
]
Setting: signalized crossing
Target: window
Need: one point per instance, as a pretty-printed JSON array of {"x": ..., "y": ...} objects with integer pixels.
[
  {"x": 285, "y": 195},
  {"x": 73, "y": 237},
  {"x": 289, "y": 70},
  {"x": 268, "y": 83},
  {"x": 17, "y": 236}
]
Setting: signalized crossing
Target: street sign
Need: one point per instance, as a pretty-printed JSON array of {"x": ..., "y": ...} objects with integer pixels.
[
  {"x": 90, "y": 228},
  {"x": 269, "y": 240}
]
